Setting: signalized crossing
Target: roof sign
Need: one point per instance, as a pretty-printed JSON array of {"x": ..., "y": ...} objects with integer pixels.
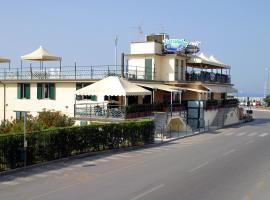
[{"x": 174, "y": 45}]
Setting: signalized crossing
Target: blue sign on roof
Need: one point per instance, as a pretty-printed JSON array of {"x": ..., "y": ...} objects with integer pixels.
[{"x": 174, "y": 45}]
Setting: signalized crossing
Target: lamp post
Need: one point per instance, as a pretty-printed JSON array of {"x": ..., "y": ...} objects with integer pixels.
[
  {"x": 116, "y": 43},
  {"x": 266, "y": 83}
]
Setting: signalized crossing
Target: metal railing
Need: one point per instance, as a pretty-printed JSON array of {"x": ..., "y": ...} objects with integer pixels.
[{"x": 208, "y": 77}]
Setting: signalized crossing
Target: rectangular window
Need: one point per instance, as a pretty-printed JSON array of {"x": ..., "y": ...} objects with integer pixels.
[
  {"x": 46, "y": 91},
  {"x": 148, "y": 69},
  {"x": 19, "y": 115},
  {"x": 183, "y": 73},
  {"x": 176, "y": 72},
  {"x": 84, "y": 97},
  {"x": 23, "y": 90}
]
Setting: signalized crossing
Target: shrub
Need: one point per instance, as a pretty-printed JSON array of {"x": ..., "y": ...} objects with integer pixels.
[{"x": 63, "y": 142}]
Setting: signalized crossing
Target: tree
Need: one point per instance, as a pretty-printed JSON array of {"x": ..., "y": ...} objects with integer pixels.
[{"x": 267, "y": 100}]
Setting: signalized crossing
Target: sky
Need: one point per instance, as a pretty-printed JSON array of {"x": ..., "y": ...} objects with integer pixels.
[{"x": 235, "y": 32}]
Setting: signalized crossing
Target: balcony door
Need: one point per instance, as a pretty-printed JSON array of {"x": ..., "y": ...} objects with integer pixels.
[{"x": 148, "y": 69}]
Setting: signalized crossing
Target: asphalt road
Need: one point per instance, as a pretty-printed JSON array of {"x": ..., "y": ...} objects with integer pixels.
[{"x": 230, "y": 164}]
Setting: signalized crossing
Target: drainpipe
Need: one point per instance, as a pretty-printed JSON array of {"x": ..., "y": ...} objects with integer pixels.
[{"x": 4, "y": 101}]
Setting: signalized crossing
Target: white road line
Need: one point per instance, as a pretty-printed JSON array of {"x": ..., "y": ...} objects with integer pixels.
[
  {"x": 9, "y": 183},
  {"x": 200, "y": 166},
  {"x": 114, "y": 158},
  {"x": 241, "y": 134},
  {"x": 250, "y": 141},
  {"x": 252, "y": 134},
  {"x": 88, "y": 163},
  {"x": 229, "y": 152},
  {"x": 41, "y": 175},
  {"x": 24, "y": 179},
  {"x": 147, "y": 192},
  {"x": 263, "y": 134},
  {"x": 102, "y": 160},
  {"x": 55, "y": 172},
  {"x": 123, "y": 156},
  {"x": 230, "y": 133}
]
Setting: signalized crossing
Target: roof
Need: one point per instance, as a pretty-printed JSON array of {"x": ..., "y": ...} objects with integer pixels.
[
  {"x": 113, "y": 86},
  {"x": 221, "y": 89},
  {"x": 168, "y": 88},
  {"x": 4, "y": 60},
  {"x": 207, "y": 62},
  {"x": 40, "y": 54}
]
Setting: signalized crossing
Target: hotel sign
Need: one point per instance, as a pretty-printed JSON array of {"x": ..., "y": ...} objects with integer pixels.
[{"x": 175, "y": 45}]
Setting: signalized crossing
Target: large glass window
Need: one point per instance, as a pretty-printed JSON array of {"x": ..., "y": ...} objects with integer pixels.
[{"x": 23, "y": 90}]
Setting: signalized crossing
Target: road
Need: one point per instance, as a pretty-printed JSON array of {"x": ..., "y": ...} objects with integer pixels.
[{"x": 229, "y": 164}]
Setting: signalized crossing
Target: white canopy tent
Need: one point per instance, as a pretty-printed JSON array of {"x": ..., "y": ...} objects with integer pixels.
[
  {"x": 5, "y": 60},
  {"x": 205, "y": 60},
  {"x": 113, "y": 86},
  {"x": 41, "y": 55}
]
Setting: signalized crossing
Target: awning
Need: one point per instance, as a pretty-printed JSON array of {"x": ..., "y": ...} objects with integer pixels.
[
  {"x": 207, "y": 62},
  {"x": 113, "y": 86},
  {"x": 4, "y": 60},
  {"x": 167, "y": 88},
  {"x": 221, "y": 89},
  {"x": 40, "y": 54},
  {"x": 170, "y": 88}
]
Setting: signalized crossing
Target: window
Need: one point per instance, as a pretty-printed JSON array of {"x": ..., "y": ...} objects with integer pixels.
[
  {"x": 19, "y": 115},
  {"x": 45, "y": 91},
  {"x": 83, "y": 97},
  {"x": 182, "y": 70},
  {"x": 148, "y": 69},
  {"x": 23, "y": 90},
  {"x": 176, "y": 66}
]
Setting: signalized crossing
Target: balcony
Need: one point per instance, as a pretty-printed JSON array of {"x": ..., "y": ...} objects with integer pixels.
[
  {"x": 208, "y": 77},
  {"x": 109, "y": 111}
]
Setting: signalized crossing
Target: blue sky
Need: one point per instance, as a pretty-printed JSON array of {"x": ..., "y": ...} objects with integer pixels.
[{"x": 236, "y": 32}]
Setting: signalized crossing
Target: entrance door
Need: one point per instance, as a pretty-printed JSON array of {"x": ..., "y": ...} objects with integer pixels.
[{"x": 148, "y": 69}]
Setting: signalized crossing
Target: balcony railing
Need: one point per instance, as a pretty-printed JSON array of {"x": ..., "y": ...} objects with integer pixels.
[
  {"x": 208, "y": 77},
  {"x": 108, "y": 111},
  {"x": 226, "y": 103}
]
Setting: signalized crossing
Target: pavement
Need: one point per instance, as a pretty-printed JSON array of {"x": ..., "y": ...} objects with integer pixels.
[{"x": 228, "y": 164}]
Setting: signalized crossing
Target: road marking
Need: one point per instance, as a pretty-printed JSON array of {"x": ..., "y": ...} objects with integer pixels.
[
  {"x": 102, "y": 160},
  {"x": 24, "y": 179},
  {"x": 250, "y": 141},
  {"x": 230, "y": 133},
  {"x": 123, "y": 156},
  {"x": 252, "y": 134},
  {"x": 263, "y": 134},
  {"x": 241, "y": 134},
  {"x": 147, "y": 192},
  {"x": 200, "y": 166},
  {"x": 9, "y": 183},
  {"x": 55, "y": 172},
  {"x": 229, "y": 152},
  {"x": 114, "y": 158},
  {"x": 41, "y": 175}
]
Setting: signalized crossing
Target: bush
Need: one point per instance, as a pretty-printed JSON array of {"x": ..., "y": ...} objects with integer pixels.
[
  {"x": 45, "y": 120},
  {"x": 63, "y": 142}
]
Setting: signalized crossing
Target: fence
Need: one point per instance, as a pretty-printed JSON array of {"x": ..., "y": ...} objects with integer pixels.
[{"x": 65, "y": 142}]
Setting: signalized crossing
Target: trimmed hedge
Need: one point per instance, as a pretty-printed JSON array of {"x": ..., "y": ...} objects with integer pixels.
[{"x": 64, "y": 142}]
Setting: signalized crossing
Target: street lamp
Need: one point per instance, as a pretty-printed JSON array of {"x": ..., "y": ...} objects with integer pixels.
[{"x": 266, "y": 83}]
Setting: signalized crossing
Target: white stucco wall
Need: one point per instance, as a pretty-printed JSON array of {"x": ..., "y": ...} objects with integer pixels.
[{"x": 145, "y": 48}]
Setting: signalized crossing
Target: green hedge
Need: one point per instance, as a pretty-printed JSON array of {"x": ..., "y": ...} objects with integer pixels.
[{"x": 63, "y": 142}]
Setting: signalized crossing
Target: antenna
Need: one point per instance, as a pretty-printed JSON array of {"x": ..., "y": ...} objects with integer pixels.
[{"x": 139, "y": 29}]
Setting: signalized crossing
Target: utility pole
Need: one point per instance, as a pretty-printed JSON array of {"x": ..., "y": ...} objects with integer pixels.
[
  {"x": 266, "y": 83},
  {"x": 24, "y": 138},
  {"x": 116, "y": 43}
]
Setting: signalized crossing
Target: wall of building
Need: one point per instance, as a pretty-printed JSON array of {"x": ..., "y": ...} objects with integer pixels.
[
  {"x": 63, "y": 102},
  {"x": 145, "y": 48}
]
